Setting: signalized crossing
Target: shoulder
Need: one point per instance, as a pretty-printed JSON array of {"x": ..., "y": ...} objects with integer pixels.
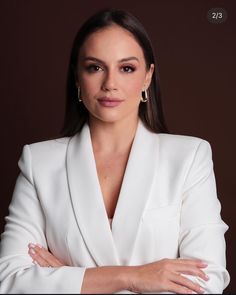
[
  {"x": 52, "y": 145},
  {"x": 179, "y": 141},
  {"x": 179, "y": 138},
  {"x": 174, "y": 145},
  {"x": 46, "y": 151},
  {"x": 183, "y": 148}
]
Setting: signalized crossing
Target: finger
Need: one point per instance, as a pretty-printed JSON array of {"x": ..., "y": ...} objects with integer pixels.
[
  {"x": 45, "y": 255},
  {"x": 197, "y": 272},
  {"x": 37, "y": 259},
  {"x": 36, "y": 255},
  {"x": 176, "y": 288},
  {"x": 49, "y": 258},
  {"x": 195, "y": 262},
  {"x": 186, "y": 266},
  {"x": 177, "y": 278},
  {"x": 190, "y": 269}
]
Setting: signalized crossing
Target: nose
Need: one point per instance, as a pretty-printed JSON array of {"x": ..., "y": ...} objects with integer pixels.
[{"x": 109, "y": 82}]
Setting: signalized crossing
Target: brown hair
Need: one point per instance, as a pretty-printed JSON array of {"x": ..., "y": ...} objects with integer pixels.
[{"x": 151, "y": 112}]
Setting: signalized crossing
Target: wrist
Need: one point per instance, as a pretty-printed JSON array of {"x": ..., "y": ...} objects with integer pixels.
[{"x": 127, "y": 277}]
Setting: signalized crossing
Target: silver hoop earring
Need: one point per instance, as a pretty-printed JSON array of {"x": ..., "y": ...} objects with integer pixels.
[
  {"x": 79, "y": 92},
  {"x": 144, "y": 96}
]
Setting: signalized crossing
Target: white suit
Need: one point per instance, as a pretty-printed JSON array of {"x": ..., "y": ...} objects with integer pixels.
[{"x": 167, "y": 208}]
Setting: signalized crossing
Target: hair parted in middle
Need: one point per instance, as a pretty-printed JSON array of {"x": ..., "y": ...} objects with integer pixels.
[{"x": 150, "y": 112}]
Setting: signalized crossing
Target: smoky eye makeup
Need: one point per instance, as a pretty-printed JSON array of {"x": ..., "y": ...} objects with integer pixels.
[
  {"x": 128, "y": 68},
  {"x": 92, "y": 68}
]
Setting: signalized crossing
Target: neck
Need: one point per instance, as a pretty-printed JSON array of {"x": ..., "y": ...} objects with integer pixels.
[{"x": 112, "y": 138}]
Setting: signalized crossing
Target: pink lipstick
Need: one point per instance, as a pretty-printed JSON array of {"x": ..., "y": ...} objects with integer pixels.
[{"x": 109, "y": 101}]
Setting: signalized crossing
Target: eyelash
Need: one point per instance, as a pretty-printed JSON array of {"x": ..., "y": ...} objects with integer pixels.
[{"x": 91, "y": 68}]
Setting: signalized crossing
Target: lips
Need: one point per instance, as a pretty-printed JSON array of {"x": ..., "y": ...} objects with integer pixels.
[{"x": 110, "y": 101}]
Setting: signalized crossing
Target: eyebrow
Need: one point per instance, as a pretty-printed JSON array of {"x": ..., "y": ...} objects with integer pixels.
[{"x": 120, "y": 61}]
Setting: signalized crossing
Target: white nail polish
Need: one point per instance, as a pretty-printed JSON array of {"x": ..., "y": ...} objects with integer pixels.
[
  {"x": 31, "y": 245},
  {"x": 32, "y": 251}
]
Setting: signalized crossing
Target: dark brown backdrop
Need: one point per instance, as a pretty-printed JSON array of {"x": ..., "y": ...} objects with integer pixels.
[{"x": 197, "y": 69}]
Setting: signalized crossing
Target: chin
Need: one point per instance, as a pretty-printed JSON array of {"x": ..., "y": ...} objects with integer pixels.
[{"x": 109, "y": 118}]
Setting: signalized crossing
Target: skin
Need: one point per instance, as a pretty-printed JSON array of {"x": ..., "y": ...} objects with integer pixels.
[
  {"x": 112, "y": 129},
  {"x": 102, "y": 71}
]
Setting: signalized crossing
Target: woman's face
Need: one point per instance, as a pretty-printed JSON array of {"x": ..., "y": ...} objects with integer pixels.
[{"x": 111, "y": 66}]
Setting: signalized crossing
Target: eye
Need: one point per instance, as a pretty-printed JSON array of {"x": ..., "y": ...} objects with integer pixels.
[
  {"x": 128, "y": 69},
  {"x": 93, "y": 68}
]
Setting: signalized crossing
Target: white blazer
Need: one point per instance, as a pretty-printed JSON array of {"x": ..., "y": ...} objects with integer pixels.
[{"x": 167, "y": 208}]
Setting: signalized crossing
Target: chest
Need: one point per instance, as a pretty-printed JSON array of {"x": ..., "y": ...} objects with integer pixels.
[{"x": 111, "y": 172}]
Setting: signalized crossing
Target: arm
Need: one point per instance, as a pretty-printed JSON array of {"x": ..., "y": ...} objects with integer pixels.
[
  {"x": 158, "y": 276},
  {"x": 19, "y": 275},
  {"x": 26, "y": 223},
  {"x": 202, "y": 229}
]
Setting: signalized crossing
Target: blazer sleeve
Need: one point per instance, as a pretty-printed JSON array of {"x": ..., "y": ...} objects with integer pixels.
[
  {"x": 25, "y": 223},
  {"x": 202, "y": 229}
]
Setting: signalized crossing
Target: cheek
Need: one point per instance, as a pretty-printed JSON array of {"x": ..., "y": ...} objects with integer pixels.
[
  {"x": 129, "y": 85},
  {"x": 88, "y": 84},
  {"x": 133, "y": 88}
]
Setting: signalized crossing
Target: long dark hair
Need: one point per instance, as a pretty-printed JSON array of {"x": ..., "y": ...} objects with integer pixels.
[{"x": 151, "y": 112}]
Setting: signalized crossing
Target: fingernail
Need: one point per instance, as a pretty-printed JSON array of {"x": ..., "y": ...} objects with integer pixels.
[
  {"x": 206, "y": 276},
  {"x": 35, "y": 262},
  {"x": 31, "y": 245},
  {"x": 202, "y": 290},
  {"x": 40, "y": 246},
  {"x": 32, "y": 251}
]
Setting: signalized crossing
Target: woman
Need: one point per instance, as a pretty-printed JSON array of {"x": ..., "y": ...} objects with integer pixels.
[{"x": 117, "y": 204}]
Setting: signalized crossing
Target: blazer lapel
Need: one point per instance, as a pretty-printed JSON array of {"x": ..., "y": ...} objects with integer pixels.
[
  {"x": 111, "y": 247},
  {"x": 135, "y": 191},
  {"x": 87, "y": 200}
]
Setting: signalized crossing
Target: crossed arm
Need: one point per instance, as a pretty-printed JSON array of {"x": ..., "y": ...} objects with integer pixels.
[
  {"x": 201, "y": 229},
  {"x": 161, "y": 276}
]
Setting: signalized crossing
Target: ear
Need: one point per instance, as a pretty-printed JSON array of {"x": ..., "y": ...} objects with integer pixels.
[{"x": 148, "y": 77}]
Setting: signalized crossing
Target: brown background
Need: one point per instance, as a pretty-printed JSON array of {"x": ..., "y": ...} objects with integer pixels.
[{"x": 196, "y": 64}]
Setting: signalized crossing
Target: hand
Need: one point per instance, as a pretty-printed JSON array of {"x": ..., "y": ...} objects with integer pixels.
[
  {"x": 43, "y": 257},
  {"x": 165, "y": 276}
]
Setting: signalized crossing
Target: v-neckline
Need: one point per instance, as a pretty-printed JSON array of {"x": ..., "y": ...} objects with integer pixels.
[
  {"x": 105, "y": 245},
  {"x": 122, "y": 183},
  {"x": 110, "y": 221}
]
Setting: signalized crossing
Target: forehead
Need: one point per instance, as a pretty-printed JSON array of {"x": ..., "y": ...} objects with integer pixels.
[{"x": 112, "y": 42}]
